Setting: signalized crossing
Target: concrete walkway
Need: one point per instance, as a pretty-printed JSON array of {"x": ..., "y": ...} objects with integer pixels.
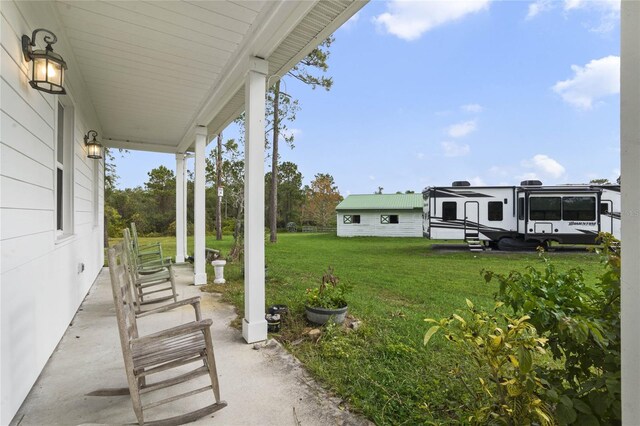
[{"x": 262, "y": 384}]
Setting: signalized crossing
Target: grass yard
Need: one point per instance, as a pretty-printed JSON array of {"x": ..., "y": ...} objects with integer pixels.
[{"x": 382, "y": 369}]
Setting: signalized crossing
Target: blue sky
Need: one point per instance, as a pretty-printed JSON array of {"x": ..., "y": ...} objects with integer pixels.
[{"x": 430, "y": 92}]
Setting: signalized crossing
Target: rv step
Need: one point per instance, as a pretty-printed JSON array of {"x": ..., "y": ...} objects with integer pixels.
[{"x": 475, "y": 245}]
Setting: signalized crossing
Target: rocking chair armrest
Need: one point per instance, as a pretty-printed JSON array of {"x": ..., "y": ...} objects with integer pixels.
[
  {"x": 179, "y": 330},
  {"x": 194, "y": 301}
]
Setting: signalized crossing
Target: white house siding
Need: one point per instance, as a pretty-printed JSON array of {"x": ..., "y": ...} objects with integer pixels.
[
  {"x": 41, "y": 285},
  {"x": 410, "y": 224}
]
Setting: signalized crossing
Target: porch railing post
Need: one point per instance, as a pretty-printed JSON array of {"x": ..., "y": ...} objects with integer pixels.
[
  {"x": 254, "y": 326},
  {"x": 200, "y": 274}
]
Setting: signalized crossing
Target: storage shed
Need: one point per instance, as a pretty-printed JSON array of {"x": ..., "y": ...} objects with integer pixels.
[{"x": 380, "y": 215}]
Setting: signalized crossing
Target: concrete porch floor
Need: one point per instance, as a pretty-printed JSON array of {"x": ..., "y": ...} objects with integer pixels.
[{"x": 262, "y": 384}]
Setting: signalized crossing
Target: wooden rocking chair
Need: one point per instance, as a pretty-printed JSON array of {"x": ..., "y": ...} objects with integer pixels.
[
  {"x": 152, "y": 287},
  {"x": 149, "y": 261},
  {"x": 162, "y": 352}
]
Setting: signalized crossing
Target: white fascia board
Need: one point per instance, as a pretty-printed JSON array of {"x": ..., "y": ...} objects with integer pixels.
[
  {"x": 139, "y": 145},
  {"x": 273, "y": 25}
]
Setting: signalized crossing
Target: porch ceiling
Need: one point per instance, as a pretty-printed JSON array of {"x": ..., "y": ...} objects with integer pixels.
[{"x": 155, "y": 70}]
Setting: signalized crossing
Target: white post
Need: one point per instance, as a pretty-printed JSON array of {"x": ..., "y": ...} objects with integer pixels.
[
  {"x": 630, "y": 180},
  {"x": 184, "y": 203},
  {"x": 180, "y": 210},
  {"x": 254, "y": 325},
  {"x": 199, "y": 271}
]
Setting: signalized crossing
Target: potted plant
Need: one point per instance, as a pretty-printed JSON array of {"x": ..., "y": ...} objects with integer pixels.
[{"x": 327, "y": 301}]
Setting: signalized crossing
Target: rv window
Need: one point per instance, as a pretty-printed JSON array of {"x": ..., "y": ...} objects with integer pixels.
[
  {"x": 520, "y": 208},
  {"x": 604, "y": 208},
  {"x": 545, "y": 208},
  {"x": 495, "y": 210},
  {"x": 449, "y": 210},
  {"x": 579, "y": 208}
]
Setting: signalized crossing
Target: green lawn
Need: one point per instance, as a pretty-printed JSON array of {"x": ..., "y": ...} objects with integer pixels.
[{"x": 382, "y": 370}]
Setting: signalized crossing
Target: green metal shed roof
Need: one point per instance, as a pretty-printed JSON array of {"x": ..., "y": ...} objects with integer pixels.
[{"x": 381, "y": 202}]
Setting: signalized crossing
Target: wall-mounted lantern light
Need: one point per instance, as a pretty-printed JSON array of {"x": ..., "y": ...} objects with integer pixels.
[
  {"x": 47, "y": 68},
  {"x": 94, "y": 148}
]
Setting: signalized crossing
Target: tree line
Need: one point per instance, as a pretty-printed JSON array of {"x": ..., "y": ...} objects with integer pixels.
[{"x": 153, "y": 206}]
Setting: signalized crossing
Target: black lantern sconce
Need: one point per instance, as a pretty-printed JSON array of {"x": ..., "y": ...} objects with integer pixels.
[
  {"x": 47, "y": 68},
  {"x": 94, "y": 148}
]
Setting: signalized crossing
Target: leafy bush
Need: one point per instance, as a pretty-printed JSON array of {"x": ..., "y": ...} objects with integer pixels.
[
  {"x": 330, "y": 294},
  {"x": 505, "y": 351},
  {"x": 582, "y": 322}
]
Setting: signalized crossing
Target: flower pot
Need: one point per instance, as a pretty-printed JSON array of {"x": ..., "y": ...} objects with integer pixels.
[
  {"x": 322, "y": 315},
  {"x": 218, "y": 268}
]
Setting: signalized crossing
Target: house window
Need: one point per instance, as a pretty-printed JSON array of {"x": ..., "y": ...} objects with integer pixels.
[
  {"x": 64, "y": 169},
  {"x": 349, "y": 219},
  {"x": 545, "y": 208},
  {"x": 389, "y": 218},
  {"x": 449, "y": 210},
  {"x": 495, "y": 209},
  {"x": 96, "y": 193},
  {"x": 578, "y": 208}
]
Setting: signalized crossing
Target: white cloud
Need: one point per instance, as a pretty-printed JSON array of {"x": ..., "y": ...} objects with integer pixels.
[
  {"x": 608, "y": 10},
  {"x": 597, "y": 79},
  {"x": 462, "y": 129},
  {"x": 538, "y": 7},
  {"x": 475, "y": 108},
  {"x": 610, "y": 5},
  {"x": 452, "y": 149},
  {"x": 477, "y": 181},
  {"x": 371, "y": 177},
  {"x": 545, "y": 165},
  {"x": 408, "y": 20}
]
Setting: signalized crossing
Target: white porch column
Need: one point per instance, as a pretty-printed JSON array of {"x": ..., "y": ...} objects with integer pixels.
[
  {"x": 199, "y": 269},
  {"x": 254, "y": 326},
  {"x": 184, "y": 203},
  {"x": 630, "y": 158},
  {"x": 180, "y": 210}
]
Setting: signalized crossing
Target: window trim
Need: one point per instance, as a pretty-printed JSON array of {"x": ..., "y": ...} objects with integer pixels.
[{"x": 65, "y": 139}]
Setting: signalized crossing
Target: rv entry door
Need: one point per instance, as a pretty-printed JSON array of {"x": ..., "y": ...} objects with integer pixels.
[{"x": 471, "y": 219}]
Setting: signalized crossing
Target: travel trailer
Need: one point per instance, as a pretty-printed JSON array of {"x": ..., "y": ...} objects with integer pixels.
[{"x": 515, "y": 217}]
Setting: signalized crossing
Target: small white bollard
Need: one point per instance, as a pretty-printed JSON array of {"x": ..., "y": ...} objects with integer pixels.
[{"x": 218, "y": 268}]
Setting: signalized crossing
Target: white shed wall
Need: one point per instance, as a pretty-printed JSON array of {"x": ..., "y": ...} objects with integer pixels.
[
  {"x": 41, "y": 284},
  {"x": 410, "y": 224}
]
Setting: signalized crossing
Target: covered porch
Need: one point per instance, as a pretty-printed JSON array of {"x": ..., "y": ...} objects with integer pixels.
[{"x": 78, "y": 389}]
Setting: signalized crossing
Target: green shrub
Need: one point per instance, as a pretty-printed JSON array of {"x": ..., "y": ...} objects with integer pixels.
[
  {"x": 505, "y": 351},
  {"x": 582, "y": 323}
]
